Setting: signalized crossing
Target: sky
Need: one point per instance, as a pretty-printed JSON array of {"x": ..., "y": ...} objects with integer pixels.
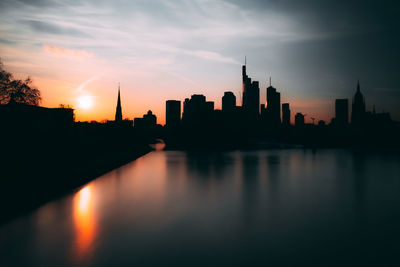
[{"x": 77, "y": 52}]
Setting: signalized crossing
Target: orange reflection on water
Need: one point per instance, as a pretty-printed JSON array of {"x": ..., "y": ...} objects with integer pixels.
[{"x": 85, "y": 228}]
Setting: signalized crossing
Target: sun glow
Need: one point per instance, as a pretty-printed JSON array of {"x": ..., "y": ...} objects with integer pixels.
[
  {"x": 85, "y": 102},
  {"x": 85, "y": 226}
]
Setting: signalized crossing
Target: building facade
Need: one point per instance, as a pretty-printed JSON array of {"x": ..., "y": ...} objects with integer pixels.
[
  {"x": 358, "y": 107},
  {"x": 172, "y": 113},
  {"x": 285, "y": 114},
  {"x": 341, "y": 112},
  {"x": 251, "y": 96}
]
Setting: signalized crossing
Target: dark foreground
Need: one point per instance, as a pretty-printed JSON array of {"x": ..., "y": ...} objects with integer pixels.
[
  {"x": 290, "y": 207},
  {"x": 39, "y": 165}
]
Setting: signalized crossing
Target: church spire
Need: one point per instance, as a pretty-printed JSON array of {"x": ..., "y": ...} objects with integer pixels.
[{"x": 118, "y": 112}]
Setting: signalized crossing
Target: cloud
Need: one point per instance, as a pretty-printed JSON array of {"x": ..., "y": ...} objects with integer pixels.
[
  {"x": 65, "y": 52},
  {"x": 85, "y": 83},
  {"x": 209, "y": 55},
  {"x": 7, "y": 42},
  {"x": 49, "y": 28},
  {"x": 301, "y": 43}
]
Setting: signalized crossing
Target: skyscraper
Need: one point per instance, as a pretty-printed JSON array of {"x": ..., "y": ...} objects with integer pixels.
[
  {"x": 299, "y": 120},
  {"x": 273, "y": 105},
  {"x": 196, "y": 109},
  {"x": 118, "y": 112},
  {"x": 228, "y": 102},
  {"x": 358, "y": 107},
  {"x": 285, "y": 114},
  {"x": 341, "y": 112},
  {"x": 251, "y": 95},
  {"x": 173, "y": 113}
]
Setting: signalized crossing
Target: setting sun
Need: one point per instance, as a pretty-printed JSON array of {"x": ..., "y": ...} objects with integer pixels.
[{"x": 85, "y": 102}]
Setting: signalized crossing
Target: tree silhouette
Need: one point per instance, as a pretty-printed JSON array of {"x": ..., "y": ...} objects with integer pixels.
[{"x": 19, "y": 91}]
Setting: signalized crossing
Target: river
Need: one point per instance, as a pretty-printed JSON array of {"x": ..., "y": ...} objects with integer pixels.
[{"x": 169, "y": 208}]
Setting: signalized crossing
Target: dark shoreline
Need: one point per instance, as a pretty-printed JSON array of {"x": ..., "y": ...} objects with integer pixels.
[{"x": 31, "y": 178}]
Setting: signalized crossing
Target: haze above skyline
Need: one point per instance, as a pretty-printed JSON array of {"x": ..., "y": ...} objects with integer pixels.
[{"x": 161, "y": 50}]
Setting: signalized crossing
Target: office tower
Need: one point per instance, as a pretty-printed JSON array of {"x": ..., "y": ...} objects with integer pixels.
[
  {"x": 173, "y": 113},
  {"x": 273, "y": 105},
  {"x": 196, "y": 109},
  {"x": 358, "y": 107},
  {"x": 285, "y": 114},
  {"x": 251, "y": 95},
  {"x": 228, "y": 102},
  {"x": 118, "y": 112},
  {"x": 341, "y": 112},
  {"x": 299, "y": 120}
]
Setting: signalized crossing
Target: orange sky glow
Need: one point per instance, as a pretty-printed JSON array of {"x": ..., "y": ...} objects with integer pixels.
[{"x": 78, "y": 53}]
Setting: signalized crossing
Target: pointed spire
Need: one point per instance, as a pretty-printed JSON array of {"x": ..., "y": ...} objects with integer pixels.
[
  {"x": 270, "y": 83},
  {"x": 119, "y": 96},
  {"x": 358, "y": 85},
  {"x": 245, "y": 61},
  {"x": 118, "y": 112}
]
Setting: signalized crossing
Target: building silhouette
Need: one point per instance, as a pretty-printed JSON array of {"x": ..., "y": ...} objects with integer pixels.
[
  {"x": 172, "y": 113},
  {"x": 150, "y": 118},
  {"x": 118, "y": 112},
  {"x": 209, "y": 106},
  {"x": 197, "y": 110},
  {"x": 228, "y": 102},
  {"x": 273, "y": 110},
  {"x": 16, "y": 115},
  {"x": 299, "y": 119},
  {"x": 285, "y": 114},
  {"x": 251, "y": 96},
  {"x": 148, "y": 122},
  {"x": 358, "y": 107},
  {"x": 119, "y": 122},
  {"x": 341, "y": 112}
]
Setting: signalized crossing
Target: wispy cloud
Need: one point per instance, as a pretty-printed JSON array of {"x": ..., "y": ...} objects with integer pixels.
[
  {"x": 52, "y": 28},
  {"x": 82, "y": 86},
  {"x": 65, "y": 52},
  {"x": 209, "y": 55}
]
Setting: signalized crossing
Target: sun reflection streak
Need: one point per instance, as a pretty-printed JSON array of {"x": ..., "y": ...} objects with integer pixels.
[{"x": 85, "y": 228}]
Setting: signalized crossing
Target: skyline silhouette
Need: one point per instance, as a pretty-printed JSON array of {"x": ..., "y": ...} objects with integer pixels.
[
  {"x": 166, "y": 51},
  {"x": 272, "y": 113},
  {"x": 199, "y": 133}
]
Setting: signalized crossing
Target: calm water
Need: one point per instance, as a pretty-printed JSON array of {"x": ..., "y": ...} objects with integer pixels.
[{"x": 292, "y": 207}]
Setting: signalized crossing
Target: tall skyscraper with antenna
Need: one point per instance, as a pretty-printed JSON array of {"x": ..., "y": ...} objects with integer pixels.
[
  {"x": 118, "y": 112},
  {"x": 251, "y": 95}
]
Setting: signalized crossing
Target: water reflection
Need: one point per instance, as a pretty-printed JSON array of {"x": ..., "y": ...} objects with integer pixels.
[
  {"x": 85, "y": 227},
  {"x": 246, "y": 208}
]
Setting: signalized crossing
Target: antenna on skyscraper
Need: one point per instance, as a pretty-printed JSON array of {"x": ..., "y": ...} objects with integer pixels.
[
  {"x": 270, "y": 83},
  {"x": 245, "y": 61}
]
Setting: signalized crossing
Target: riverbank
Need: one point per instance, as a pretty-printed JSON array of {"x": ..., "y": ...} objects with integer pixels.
[{"x": 33, "y": 173}]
